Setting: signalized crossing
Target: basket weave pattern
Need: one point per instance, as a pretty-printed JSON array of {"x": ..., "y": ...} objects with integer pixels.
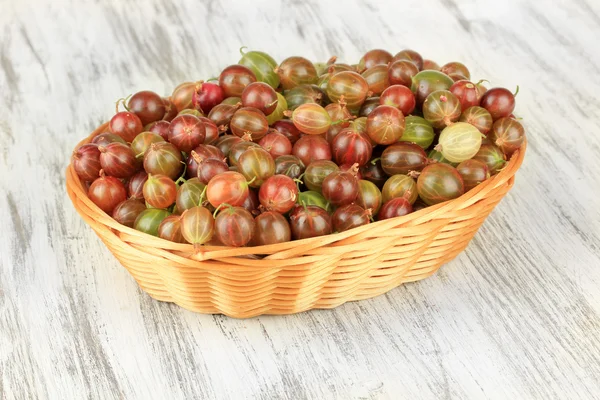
[{"x": 286, "y": 278}]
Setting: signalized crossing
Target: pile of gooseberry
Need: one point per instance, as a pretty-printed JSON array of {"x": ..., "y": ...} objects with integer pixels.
[{"x": 267, "y": 153}]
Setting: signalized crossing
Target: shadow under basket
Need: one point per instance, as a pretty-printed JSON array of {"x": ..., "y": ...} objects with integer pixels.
[{"x": 287, "y": 278}]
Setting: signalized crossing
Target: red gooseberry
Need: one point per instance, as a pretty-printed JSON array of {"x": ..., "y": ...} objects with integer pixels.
[
  {"x": 271, "y": 228},
  {"x": 107, "y": 192},
  {"x": 127, "y": 211},
  {"x": 400, "y": 97},
  {"x": 395, "y": 207},
  {"x": 310, "y": 221},
  {"x": 234, "y": 226},
  {"x": 160, "y": 191},
  {"x": 86, "y": 161},
  {"x": 118, "y": 160},
  {"x": 126, "y": 124},
  {"x": 278, "y": 193},
  {"x": 229, "y": 187},
  {"x": 147, "y": 105},
  {"x": 206, "y": 96}
]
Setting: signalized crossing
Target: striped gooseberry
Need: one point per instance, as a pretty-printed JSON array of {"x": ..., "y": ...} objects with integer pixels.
[
  {"x": 418, "y": 131},
  {"x": 400, "y": 186},
  {"x": 459, "y": 142},
  {"x": 149, "y": 220},
  {"x": 310, "y": 118},
  {"x": 395, "y": 207},
  {"x": 349, "y": 87},
  {"x": 350, "y": 216},
  {"x": 401, "y": 158},
  {"x": 508, "y": 134},
  {"x": 234, "y": 226},
  {"x": 473, "y": 172},
  {"x": 127, "y": 211},
  {"x": 197, "y": 225},
  {"x": 385, "y": 125},
  {"x": 479, "y": 117},
  {"x": 438, "y": 183},
  {"x": 441, "y": 108},
  {"x": 249, "y": 123},
  {"x": 294, "y": 71}
]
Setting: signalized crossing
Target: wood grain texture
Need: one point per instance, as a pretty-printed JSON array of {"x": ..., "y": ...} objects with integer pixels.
[{"x": 517, "y": 315}]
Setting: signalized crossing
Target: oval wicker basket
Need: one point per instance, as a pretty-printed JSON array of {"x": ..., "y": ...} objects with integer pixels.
[{"x": 286, "y": 278}]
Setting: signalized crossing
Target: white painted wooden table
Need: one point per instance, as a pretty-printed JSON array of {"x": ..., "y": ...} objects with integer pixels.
[{"x": 517, "y": 315}]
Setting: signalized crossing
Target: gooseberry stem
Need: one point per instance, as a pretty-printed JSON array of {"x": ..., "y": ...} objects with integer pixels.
[
  {"x": 124, "y": 101},
  {"x": 219, "y": 207},
  {"x": 180, "y": 180},
  {"x": 242, "y": 50},
  {"x": 516, "y": 92},
  {"x": 374, "y": 161},
  {"x": 202, "y": 195}
]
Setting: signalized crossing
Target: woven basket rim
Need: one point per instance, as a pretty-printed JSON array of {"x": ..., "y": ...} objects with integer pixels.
[{"x": 76, "y": 191}]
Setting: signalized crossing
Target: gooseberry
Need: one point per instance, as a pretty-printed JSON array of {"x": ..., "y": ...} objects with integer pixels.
[
  {"x": 248, "y": 122},
  {"x": 261, "y": 96},
  {"x": 263, "y": 66},
  {"x": 290, "y": 166},
  {"x": 400, "y": 97},
  {"x": 147, "y": 105},
  {"x": 409, "y": 55},
  {"x": 369, "y": 196},
  {"x": 149, "y": 220},
  {"x": 206, "y": 96},
  {"x": 127, "y": 211},
  {"x": 479, "y": 117},
  {"x": 310, "y": 221},
  {"x": 508, "y": 134},
  {"x": 170, "y": 229},
  {"x": 316, "y": 172},
  {"x": 271, "y": 228},
  {"x": 385, "y": 125},
  {"x": 126, "y": 124},
  {"x": 234, "y": 79},
  {"x": 401, "y": 158},
  {"x": 197, "y": 225},
  {"x": 234, "y": 226},
  {"x": 107, "y": 192},
  {"x": 190, "y": 194},
  {"x": 438, "y": 183},
  {"x": 427, "y": 82},
  {"x": 277, "y": 144},
  {"x": 348, "y": 86},
  {"x": 441, "y": 108},
  {"x": 163, "y": 158},
  {"x": 311, "y": 148},
  {"x": 500, "y": 102},
  {"x": 350, "y": 216},
  {"x": 278, "y": 193},
  {"x": 473, "y": 172},
  {"x": 374, "y": 57},
  {"x": 395, "y": 207},
  {"x": 401, "y": 72},
  {"x": 351, "y": 147},
  {"x": 257, "y": 165},
  {"x": 294, "y": 71},
  {"x": 160, "y": 191},
  {"x": 400, "y": 186},
  {"x": 86, "y": 161},
  {"x": 459, "y": 142},
  {"x": 229, "y": 187},
  {"x": 118, "y": 160},
  {"x": 418, "y": 131},
  {"x": 340, "y": 188}
]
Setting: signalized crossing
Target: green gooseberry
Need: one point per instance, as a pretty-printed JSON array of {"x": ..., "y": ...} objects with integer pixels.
[
  {"x": 149, "y": 220},
  {"x": 418, "y": 131},
  {"x": 312, "y": 198},
  {"x": 263, "y": 66}
]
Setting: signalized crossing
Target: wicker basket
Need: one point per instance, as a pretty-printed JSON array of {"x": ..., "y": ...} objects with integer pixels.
[{"x": 287, "y": 278}]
